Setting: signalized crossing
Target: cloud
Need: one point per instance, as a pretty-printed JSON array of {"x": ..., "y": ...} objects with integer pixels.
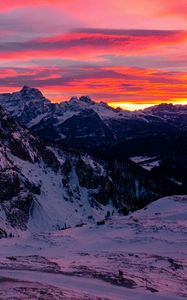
[
  {"x": 133, "y": 49},
  {"x": 94, "y": 43},
  {"x": 112, "y": 13},
  {"x": 147, "y": 61},
  {"x": 128, "y": 32},
  {"x": 174, "y": 8},
  {"x": 30, "y": 22},
  {"x": 102, "y": 83}
]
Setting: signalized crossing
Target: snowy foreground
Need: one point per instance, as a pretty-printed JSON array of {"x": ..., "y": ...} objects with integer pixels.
[{"x": 148, "y": 246}]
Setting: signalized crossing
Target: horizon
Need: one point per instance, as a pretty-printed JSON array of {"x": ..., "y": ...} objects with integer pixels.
[
  {"x": 63, "y": 49},
  {"x": 123, "y": 105}
]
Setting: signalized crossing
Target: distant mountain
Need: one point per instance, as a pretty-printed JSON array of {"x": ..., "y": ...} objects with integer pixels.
[
  {"x": 85, "y": 123},
  {"x": 175, "y": 114}
]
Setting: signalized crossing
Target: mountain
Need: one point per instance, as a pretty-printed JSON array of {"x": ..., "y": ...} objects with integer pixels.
[
  {"x": 156, "y": 133},
  {"x": 45, "y": 187},
  {"x": 88, "y": 124}
]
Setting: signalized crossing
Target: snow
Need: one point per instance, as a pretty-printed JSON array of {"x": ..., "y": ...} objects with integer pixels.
[
  {"x": 37, "y": 120},
  {"x": 146, "y": 162},
  {"x": 54, "y": 208},
  {"x": 31, "y": 107},
  {"x": 93, "y": 164},
  {"x": 85, "y": 285},
  {"x": 149, "y": 246},
  {"x": 16, "y": 135},
  {"x": 17, "y": 103},
  {"x": 176, "y": 181}
]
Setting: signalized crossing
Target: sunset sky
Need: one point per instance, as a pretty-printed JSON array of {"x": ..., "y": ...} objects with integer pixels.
[{"x": 118, "y": 51}]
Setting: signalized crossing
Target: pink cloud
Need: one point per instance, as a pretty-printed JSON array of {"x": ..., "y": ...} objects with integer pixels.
[
  {"x": 120, "y": 84},
  {"x": 94, "y": 43}
]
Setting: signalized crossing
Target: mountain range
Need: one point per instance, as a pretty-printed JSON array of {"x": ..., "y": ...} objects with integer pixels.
[
  {"x": 60, "y": 164},
  {"x": 80, "y": 120}
]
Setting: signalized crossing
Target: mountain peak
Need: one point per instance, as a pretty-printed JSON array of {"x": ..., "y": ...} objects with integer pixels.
[
  {"x": 26, "y": 88},
  {"x": 32, "y": 92},
  {"x": 86, "y": 99},
  {"x": 83, "y": 99},
  {"x": 74, "y": 100},
  {"x": 166, "y": 108}
]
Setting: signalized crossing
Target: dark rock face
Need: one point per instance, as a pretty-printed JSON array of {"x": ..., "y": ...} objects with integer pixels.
[
  {"x": 88, "y": 177},
  {"x": 95, "y": 178},
  {"x": 134, "y": 188},
  {"x": 9, "y": 185},
  {"x": 17, "y": 212},
  {"x": 21, "y": 143},
  {"x": 124, "y": 184},
  {"x": 17, "y": 192},
  {"x": 85, "y": 128},
  {"x": 49, "y": 158},
  {"x": 140, "y": 127},
  {"x": 66, "y": 167},
  {"x": 3, "y": 233},
  {"x": 16, "y": 198}
]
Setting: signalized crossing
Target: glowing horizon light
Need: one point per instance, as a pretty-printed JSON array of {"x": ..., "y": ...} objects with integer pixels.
[
  {"x": 135, "y": 106},
  {"x": 180, "y": 101},
  {"x": 130, "y": 106}
]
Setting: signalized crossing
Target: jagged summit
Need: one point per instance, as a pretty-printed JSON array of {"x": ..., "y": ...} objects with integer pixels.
[
  {"x": 83, "y": 100},
  {"x": 73, "y": 99},
  {"x": 27, "y": 89},
  {"x": 86, "y": 99},
  {"x": 33, "y": 93},
  {"x": 26, "y": 104}
]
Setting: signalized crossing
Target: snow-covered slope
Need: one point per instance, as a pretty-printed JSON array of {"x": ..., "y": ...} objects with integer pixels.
[
  {"x": 45, "y": 186},
  {"x": 148, "y": 247},
  {"x": 62, "y": 201}
]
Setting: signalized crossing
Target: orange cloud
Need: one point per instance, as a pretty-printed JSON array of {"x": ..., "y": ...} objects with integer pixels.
[{"x": 107, "y": 84}]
